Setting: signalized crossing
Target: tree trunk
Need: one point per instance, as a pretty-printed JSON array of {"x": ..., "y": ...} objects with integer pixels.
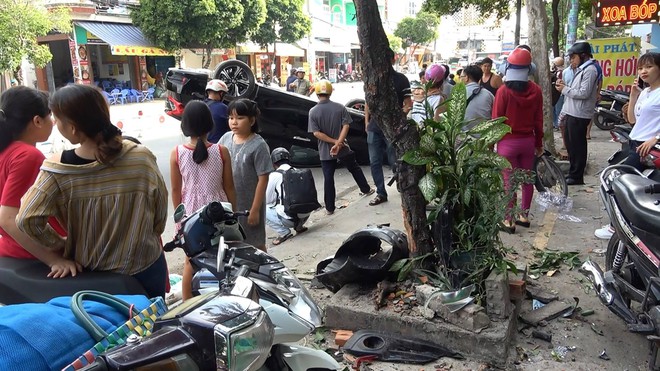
[
  {"x": 383, "y": 106},
  {"x": 538, "y": 24},
  {"x": 18, "y": 75},
  {"x": 555, "y": 28},
  {"x": 206, "y": 56}
]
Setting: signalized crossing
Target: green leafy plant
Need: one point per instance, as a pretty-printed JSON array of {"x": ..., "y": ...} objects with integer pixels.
[
  {"x": 464, "y": 176},
  {"x": 547, "y": 260}
]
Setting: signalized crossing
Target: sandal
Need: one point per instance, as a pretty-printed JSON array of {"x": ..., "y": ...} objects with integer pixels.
[
  {"x": 510, "y": 229},
  {"x": 281, "y": 239},
  {"x": 523, "y": 223},
  {"x": 377, "y": 200}
]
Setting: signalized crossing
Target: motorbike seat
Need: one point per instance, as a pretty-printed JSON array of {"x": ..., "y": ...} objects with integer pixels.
[
  {"x": 25, "y": 281},
  {"x": 641, "y": 209}
]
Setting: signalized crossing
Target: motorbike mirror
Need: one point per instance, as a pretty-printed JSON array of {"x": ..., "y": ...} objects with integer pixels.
[
  {"x": 179, "y": 213},
  {"x": 222, "y": 249}
]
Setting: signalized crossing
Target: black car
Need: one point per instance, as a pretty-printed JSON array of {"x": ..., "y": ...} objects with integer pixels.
[{"x": 284, "y": 115}]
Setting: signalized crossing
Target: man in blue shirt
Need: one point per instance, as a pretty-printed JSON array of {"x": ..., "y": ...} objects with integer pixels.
[{"x": 216, "y": 90}]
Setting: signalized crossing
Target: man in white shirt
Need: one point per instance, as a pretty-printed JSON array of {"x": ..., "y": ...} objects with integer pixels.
[{"x": 276, "y": 218}]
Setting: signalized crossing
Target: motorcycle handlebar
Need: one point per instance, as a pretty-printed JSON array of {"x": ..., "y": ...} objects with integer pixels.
[{"x": 652, "y": 189}]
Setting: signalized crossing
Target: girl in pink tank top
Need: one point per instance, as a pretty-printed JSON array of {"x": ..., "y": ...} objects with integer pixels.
[{"x": 200, "y": 171}]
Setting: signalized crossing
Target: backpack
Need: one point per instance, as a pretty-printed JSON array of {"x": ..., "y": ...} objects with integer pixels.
[{"x": 298, "y": 193}]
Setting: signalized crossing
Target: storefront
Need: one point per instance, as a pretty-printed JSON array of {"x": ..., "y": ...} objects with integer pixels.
[{"x": 116, "y": 55}]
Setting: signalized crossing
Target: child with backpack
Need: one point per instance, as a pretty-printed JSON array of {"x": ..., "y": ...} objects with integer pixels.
[
  {"x": 290, "y": 197},
  {"x": 200, "y": 171}
]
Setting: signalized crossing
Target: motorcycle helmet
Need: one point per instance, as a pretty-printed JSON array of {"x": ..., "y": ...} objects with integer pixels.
[
  {"x": 435, "y": 73},
  {"x": 323, "y": 87},
  {"x": 279, "y": 154},
  {"x": 519, "y": 57},
  {"x": 216, "y": 85},
  {"x": 580, "y": 47},
  {"x": 366, "y": 256}
]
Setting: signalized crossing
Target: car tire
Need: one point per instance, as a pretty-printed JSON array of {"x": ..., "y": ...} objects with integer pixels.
[
  {"x": 357, "y": 104},
  {"x": 239, "y": 78}
]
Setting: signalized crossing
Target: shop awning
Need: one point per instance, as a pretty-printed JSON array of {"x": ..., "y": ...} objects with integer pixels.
[
  {"x": 324, "y": 46},
  {"x": 124, "y": 39}
]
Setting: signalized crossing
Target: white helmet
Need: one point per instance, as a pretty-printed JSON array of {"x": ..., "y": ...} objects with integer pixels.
[{"x": 217, "y": 85}]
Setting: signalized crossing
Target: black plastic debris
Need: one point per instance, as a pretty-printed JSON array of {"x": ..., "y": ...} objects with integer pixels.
[
  {"x": 365, "y": 257},
  {"x": 395, "y": 348},
  {"x": 603, "y": 355}
]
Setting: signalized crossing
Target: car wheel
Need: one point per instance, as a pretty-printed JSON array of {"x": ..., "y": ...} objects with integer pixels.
[
  {"x": 239, "y": 79},
  {"x": 357, "y": 104}
]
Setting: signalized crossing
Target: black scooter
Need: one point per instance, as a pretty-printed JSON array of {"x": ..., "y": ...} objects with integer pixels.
[
  {"x": 609, "y": 111},
  {"x": 632, "y": 260}
]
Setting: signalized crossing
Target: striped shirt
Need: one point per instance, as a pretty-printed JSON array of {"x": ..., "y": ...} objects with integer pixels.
[{"x": 114, "y": 213}]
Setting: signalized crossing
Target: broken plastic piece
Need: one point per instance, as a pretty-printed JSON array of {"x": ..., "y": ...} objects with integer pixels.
[
  {"x": 542, "y": 335},
  {"x": 537, "y": 304},
  {"x": 363, "y": 257},
  {"x": 454, "y": 300},
  {"x": 603, "y": 355},
  {"x": 394, "y": 348}
]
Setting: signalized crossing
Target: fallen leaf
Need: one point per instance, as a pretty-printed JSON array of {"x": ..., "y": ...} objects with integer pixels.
[{"x": 551, "y": 272}]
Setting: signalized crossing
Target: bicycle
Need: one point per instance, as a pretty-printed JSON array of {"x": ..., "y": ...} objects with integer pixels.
[{"x": 549, "y": 177}]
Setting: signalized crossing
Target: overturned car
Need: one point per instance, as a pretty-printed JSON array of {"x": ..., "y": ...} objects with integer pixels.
[{"x": 284, "y": 115}]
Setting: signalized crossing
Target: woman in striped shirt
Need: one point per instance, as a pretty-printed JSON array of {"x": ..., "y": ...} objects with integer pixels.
[{"x": 108, "y": 193}]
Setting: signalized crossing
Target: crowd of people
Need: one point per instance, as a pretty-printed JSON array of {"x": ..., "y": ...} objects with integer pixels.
[{"x": 76, "y": 210}]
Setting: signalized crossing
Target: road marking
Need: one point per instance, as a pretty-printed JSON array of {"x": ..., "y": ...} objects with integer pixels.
[{"x": 543, "y": 235}]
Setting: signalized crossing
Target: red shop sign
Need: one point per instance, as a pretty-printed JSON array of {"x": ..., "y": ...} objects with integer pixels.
[{"x": 621, "y": 12}]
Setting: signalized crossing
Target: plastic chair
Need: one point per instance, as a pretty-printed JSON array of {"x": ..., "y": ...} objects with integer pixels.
[
  {"x": 150, "y": 94},
  {"x": 114, "y": 96},
  {"x": 107, "y": 86},
  {"x": 123, "y": 97},
  {"x": 109, "y": 98},
  {"x": 134, "y": 96}
]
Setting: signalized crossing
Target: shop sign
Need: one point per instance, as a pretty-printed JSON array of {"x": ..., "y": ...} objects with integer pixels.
[
  {"x": 618, "y": 59},
  {"x": 138, "y": 50},
  {"x": 619, "y": 12}
]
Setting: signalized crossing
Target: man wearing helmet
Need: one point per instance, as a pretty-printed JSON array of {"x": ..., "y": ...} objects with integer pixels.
[
  {"x": 579, "y": 102},
  {"x": 329, "y": 122},
  {"x": 216, "y": 89},
  {"x": 276, "y": 217},
  {"x": 301, "y": 85}
]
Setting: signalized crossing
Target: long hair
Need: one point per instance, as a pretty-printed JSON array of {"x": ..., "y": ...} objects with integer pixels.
[
  {"x": 18, "y": 106},
  {"x": 517, "y": 85},
  {"x": 197, "y": 121},
  {"x": 85, "y": 108},
  {"x": 246, "y": 107}
]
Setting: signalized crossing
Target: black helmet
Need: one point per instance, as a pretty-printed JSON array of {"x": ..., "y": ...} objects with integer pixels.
[
  {"x": 581, "y": 47},
  {"x": 279, "y": 154}
]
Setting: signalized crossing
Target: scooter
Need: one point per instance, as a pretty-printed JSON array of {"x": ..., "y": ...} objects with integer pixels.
[
  {"x": 632, "y": 257},
  {"x": 198, "y": 334},
  {"x": 610, "y": 110}
]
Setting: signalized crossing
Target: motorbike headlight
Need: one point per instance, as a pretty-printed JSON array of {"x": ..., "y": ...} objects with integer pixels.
[
  {"x": 290, "y": 290},
  {"x": 244, "y": 348}
]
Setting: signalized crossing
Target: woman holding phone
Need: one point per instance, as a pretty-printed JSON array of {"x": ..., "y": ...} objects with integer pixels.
[{"x": 644, "y": 109}]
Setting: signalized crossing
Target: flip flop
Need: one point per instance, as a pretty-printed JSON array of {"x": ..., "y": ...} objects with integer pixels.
[
  {"x": 281, "y": 239},
  {"x": 301, "y": 230}
]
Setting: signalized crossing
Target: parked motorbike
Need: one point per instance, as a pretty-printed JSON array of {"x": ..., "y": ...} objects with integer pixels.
[
  {"x": 610, "y": 111},
  {"x": 226, "y": 329},
  {"x": 633, "y": 255},
  {"x": 621, "y": 134}
]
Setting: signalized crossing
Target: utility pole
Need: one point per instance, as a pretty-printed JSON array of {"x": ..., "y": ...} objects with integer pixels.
[
  {"x": 516, "y": 37},
  {"x": 571, "y": 35}
]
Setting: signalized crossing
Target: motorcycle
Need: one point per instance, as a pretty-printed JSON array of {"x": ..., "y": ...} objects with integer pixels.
[
  {"x": 632, "y": 257},
  {"x": 220, "y": 329},
  {"x": 610, "y": 111}
]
